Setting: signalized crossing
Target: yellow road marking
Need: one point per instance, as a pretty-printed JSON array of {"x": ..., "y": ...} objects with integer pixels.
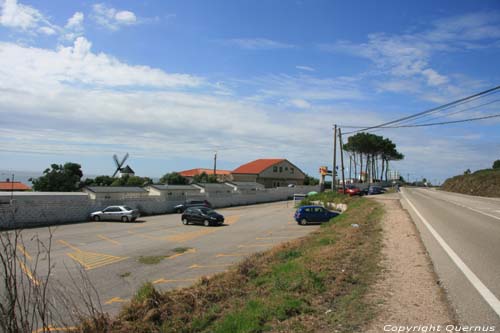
[
  {"x": 173, "y": 280},
  {"x": 68, "y": 245},
  {"x": 55, "y": 329},
  {"x": 29, "y": 274},
  {"x": 145, "y": 236},
  {"x": 208, "y": 266},
  {"x": 231, "y": 254},
  {"x": 191, "y": 235},
  {"x": 24, "y": 251},
  {"x": 91, "y": 260},
  {"x": 254, "y": 245},
  {"x": 108, "y": 239},
  {"x": 231, "y": 219},
  {"x": 115, "y": 300},
  {"x": 182, "y": 253}
]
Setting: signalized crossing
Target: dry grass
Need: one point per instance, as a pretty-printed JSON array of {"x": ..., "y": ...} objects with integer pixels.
[
  {"x": 485, "y": 183},
  {"x": 313, "y": 284}
]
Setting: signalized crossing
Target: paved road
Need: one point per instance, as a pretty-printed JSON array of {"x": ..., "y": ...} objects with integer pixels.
[
  {"x": 464, "y": 245},
  {"x": 109, "y": 252}
]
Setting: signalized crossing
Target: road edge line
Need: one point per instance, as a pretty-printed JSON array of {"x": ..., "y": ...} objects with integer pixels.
[{"x": 487, "y": 295}]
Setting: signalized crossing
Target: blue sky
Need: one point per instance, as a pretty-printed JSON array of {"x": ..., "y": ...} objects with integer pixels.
[{"x": 171, "y": 82}]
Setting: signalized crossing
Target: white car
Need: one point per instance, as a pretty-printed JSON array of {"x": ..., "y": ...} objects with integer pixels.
[{"x": 115, "y": 213}]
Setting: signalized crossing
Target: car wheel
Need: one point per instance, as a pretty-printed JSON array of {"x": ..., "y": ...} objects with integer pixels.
[
  {"x": 185, "y": 221},
  {"x": 303, "y": 221},
  {"x": 124, "y": 219},
  {"x": 206, "y": 223},
  {"x": 97, "y": 218}
]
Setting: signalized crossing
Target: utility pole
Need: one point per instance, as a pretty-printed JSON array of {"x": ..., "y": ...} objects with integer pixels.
[
  {"x": 334, "y": 157},
  {"x": 350, "y": 168},
  {"x": 215, "y": 164},
  {"x": 12, "y": 190},
  {"x": 342, "y": 160}
]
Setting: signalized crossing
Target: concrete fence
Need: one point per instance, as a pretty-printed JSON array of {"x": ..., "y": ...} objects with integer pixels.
[{"x": 27, "y": 209}]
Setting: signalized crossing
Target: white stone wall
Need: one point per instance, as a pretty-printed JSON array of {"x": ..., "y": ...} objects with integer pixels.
[{"x": 36, "y": 209}]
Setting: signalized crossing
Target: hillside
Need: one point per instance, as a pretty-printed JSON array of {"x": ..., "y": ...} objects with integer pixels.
[{"x": 485, "y": 183}]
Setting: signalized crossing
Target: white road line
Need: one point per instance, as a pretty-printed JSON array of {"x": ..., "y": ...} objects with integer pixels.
[
  {"x": 473, "y": 279},
  {"x": 467, "y": 207}
]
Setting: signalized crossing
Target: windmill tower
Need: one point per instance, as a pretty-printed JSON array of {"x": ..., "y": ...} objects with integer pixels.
[{"x": 120, "y": 170}]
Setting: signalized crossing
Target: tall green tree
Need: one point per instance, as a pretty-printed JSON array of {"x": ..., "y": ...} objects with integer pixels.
[
  {"x": 496, "y": 164},
  {"x": 100, "y": 181},
  {"x": 308, "y": 180},
  {"x": 60, "y": 178},
  {"x": 128, "y": 180},
  {"x": 173, "y": 178}
]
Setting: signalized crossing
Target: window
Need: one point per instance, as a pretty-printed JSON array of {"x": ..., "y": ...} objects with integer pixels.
[
  {"x": 275, "y": 169},
  {"x": 286, "y": 168},
  {"x": 318, "y": 210},
  {"x": 292, "y": 170},
  {"x": 281, "y": 169}
]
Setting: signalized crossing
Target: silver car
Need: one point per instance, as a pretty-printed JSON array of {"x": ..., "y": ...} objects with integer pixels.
[{"x": 115, "y": 213}]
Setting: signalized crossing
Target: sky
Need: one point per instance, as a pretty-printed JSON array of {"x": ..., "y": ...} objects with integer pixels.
[{"x": 173, "y": 82}]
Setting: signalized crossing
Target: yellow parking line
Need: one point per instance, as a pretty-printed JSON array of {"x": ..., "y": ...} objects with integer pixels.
[
  {"x": 29, "y": 274},
  {"x": 208, "y": 266},
  {"x": 232, "y": 219},
  {"x": 173, "y": 280},
  {"x": 115, "y": 300},
  {"x": 24, "y": 251},
  {"x": 91, "y": 260},
  {"x": 69, "y": 245},
  {"x": 112, "y": 241}
]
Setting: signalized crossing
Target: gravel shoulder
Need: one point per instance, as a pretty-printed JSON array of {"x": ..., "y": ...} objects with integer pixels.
[{"x": 408, "y": 291}]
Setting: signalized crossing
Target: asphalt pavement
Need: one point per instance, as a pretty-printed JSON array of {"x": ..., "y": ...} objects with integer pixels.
[
  {"x": 462, "y": 236},
  {"x": 109, "y": 253}
]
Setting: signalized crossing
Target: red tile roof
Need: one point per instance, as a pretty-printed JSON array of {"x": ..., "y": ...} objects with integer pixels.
[
  {"x": 257, "y": 166},
  {"x": 197, "y": 171},
  {"x": 17, "y": 186}
]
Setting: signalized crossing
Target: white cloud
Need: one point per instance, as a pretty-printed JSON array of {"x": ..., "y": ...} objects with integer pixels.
[
  {"x": 409, "y": 56},
  {"x": 112, "y": 18},
  {"x": 77, "y": 65},
  {"x": 47, "y": 31},
  {"x": 75, "y": 22},
  {"x": 305, "y": 68},
  {"x": 258, "y": 44},
  {"x": 19, "y": 16},
  {"x": 300, "y": 103}
]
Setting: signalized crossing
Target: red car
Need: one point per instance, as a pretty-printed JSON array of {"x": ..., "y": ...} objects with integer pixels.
[{"x": 351, "y": 190}]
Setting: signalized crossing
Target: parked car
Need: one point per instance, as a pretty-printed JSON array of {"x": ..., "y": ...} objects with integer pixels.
[
  {"x": 201, "y": 215},
  {"x": 308, "y": 214},
  {"x": 375, "y": 190},
  {"x": 116, "y": 213},
  {"x": 351, "y": 190},
  {"x": 192, "y": 203}
]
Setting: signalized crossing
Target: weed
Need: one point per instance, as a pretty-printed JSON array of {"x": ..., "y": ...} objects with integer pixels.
[
  {"x": 146, "y": 291},
  {"x": 150, "y": 260},
  {"x": 126, "y": 274},
  {"x": 181, "y": 249}
]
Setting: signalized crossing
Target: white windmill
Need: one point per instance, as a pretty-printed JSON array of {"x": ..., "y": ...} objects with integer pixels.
[{"x": 120, "y": 170}]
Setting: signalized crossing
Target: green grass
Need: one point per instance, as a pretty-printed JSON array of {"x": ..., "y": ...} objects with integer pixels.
[
  {"x": 150, "y": 260},
  {"x": 482, "y": 182},
  {"x": 181, "y": 249},
  {"x": 146, "y": 291}
]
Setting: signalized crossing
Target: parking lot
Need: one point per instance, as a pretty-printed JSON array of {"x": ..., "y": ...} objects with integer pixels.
[{"x": 119, "y": 257}]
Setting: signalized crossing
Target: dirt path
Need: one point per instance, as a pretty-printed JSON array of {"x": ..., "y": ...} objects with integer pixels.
[{"x": 408, "y": 293}]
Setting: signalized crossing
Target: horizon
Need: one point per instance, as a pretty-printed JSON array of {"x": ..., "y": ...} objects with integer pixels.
[{"x": 173, "y": 83}]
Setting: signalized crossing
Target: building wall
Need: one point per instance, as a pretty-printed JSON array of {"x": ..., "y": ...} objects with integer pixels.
[
  {"x": 37, "y": 209},
  {"x": 279, "y": 175},
  {"x": 240, "y": 177}
]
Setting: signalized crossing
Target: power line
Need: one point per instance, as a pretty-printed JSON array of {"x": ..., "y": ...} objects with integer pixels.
[
  {"x": 447, "y": 122},
  {"x": 426, "y": 124},
  {"x": 468, "y": 98}
]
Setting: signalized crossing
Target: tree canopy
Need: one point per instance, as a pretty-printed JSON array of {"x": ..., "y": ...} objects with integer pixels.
[
  {"x": 496, "y": 164},
  {"x": 370, "y": 149},
  {"x": 174, "y": 178},
  {"x": 59, "y": 178},
  {"x": 205, "y": 178}
]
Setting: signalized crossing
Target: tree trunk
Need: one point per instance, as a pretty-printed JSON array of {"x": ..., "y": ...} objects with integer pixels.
[{"x": 383, "y": 167}]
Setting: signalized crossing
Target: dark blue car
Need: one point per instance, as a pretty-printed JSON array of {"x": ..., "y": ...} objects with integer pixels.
[{"x": 313, "y": 214}]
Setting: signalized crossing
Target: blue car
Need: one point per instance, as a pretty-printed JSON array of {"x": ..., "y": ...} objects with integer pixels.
[{"x": 313, "y": 214}]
